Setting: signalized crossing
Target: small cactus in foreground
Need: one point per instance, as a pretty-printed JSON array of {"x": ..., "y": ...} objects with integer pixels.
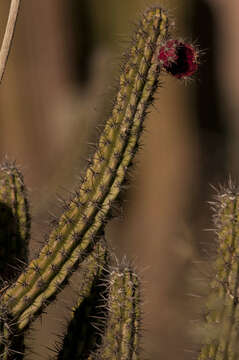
[{"x": 106, "y": 320}]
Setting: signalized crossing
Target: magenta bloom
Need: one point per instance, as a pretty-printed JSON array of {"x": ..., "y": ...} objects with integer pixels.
[{"x": 178, "y": 58}]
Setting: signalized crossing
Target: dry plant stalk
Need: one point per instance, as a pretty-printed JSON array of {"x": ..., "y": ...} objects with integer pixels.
[{"x": 8, "y": 36}]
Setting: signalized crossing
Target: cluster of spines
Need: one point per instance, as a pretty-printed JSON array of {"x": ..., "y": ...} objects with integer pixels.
[{"x": 222, "y": 320}]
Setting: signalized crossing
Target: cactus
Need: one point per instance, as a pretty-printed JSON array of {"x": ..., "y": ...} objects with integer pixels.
[
  {"x": 82, "y": 335},
  {"x": 115, "y": 332},
  {"x": 15, "y": 221},
  {"x": 121, "y": 336},
  {"x": 221, "y": 330},
  {"x": 109, "y": 296}
]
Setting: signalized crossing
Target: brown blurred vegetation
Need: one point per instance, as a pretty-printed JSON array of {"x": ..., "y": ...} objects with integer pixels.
[{"x": 57, "y": 90}]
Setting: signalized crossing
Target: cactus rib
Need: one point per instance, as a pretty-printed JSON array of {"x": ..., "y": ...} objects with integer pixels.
[{"x": 87, "y": 212}]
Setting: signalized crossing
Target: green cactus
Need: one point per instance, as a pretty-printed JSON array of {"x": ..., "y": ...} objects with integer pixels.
[
  {"x": 82, "y": 336},
  {"x": 14, "y": 221},
  {"x": 14, "y": 229},
  {"x": 76, "y": 238},
  {"x": 221, "y": 330},
  {"x": 113, "y": 305},
  {"x": 86, "y": 214},
  {"x": 120, "y": 339}
]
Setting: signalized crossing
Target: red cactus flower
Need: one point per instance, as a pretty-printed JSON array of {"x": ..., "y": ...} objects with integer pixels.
[{"x": 178, "y": 58}]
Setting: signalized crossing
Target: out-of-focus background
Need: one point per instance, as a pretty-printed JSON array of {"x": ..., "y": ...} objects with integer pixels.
[{"x": 57, "y": 89}]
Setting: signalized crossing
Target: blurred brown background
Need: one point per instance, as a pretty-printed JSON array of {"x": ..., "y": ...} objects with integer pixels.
[{"x": 56, "y": 91}]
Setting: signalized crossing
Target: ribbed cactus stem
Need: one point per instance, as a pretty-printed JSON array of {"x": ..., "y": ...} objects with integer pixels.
[
  {"x": 11, "y": 347},
  {"x": 86, "y": 214},
  {"x": 222, "y": 332},
  {"x": 82, "y": 336},
  {"x": 14, "y": 221},
  {"x": 120, "y": 339},
  {"x": 106, "y": 320},
  {"x": 106, "y": 324}
]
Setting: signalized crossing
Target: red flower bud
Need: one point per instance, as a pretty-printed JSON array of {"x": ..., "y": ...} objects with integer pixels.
[{"x": 178, "y": 58}]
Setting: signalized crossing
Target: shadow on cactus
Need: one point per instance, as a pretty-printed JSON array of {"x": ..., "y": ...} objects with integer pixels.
[{"x": 106, "y": 321}]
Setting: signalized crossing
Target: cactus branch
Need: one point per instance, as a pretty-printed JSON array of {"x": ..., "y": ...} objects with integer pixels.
[
  {"x": 86, "y": 214},
  {"x": 222, "y": 333},
  {"x": 76, "y": 237},
  {"x": 120, "y": 339},
  {"x": 14, "y": 222},
  {"x": 82, "y": 336}
]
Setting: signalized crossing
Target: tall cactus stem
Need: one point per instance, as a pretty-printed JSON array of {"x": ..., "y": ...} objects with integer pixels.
[
  {"x": 222, "y": 335},
  {"x": 86, "y": 214},
  {"x": 78, "y": 231}
]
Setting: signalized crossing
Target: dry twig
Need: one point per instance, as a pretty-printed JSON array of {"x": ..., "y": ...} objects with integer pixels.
[{"x": 8, "y": 36}]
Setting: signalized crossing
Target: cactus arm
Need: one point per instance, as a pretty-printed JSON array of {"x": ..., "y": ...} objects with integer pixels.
[
  {"x": 222, "y": 333},
  {"x": 14, "y": 239},
  {"x": 106, "y": 324},
  {"x": 82, "y": 335},
  {"x": 120, "y": 339},
  {"x": 87, "y": 212},
  {"x": 14, "y": 221}
]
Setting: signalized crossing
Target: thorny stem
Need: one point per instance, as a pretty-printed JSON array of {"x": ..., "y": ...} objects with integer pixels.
[{"x": 8, "y": 36}]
